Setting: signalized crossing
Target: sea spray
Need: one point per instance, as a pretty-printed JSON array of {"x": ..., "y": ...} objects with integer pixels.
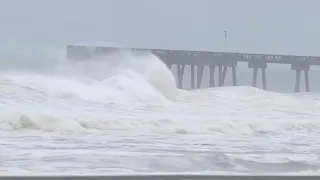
[{"x": 54, "y": 87}]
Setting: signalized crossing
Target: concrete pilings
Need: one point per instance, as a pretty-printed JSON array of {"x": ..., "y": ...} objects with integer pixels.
[
  {"x": 299, "y": 68},
  {"x": 196, "y": 75},
  {"x": 218, "y": 75},
  {"x": 222, "y": 73}
]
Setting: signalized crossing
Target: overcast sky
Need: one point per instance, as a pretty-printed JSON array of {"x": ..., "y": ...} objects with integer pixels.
[{"x": 258, "y": 26}]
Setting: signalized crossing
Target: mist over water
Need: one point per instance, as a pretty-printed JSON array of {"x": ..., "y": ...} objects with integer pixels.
[{"x": 122, "y": 113}]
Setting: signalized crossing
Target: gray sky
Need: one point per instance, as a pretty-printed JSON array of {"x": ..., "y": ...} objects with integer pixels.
[{"x": 258, "y": 26}]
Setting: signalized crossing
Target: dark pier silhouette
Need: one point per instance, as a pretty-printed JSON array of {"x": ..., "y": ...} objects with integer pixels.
[{"x": 219, "y": 64}]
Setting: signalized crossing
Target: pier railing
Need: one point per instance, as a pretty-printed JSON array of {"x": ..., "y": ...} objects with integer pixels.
[{"x": 167, "y": 177}]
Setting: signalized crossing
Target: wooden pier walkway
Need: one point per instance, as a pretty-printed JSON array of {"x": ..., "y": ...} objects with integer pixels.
[{"x": 222, "y": 61}]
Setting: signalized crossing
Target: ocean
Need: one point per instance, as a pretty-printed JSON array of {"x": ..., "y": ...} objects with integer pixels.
[{"x": 123, "y": 114}]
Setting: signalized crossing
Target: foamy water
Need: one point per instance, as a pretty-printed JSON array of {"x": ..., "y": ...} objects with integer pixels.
[{"x": 123, "y": 114}]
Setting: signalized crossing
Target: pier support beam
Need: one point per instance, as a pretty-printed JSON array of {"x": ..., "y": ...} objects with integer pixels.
[
  {"x": 180, "y": 69},
  {"x": 220, "y": 81},
  {"x": 297, "y": 84},
  {"x": 192, "y": 77},
  {"x": 301, "y": 67},
  {"x": 211, "y": 74},
  {"x": 199, "y": 75},
  {"x": 306, "y": 80},
  {"x": 234, "y": 76},
  {"x": 256, "y": 65},
  {"x": 222, "y": 73}
]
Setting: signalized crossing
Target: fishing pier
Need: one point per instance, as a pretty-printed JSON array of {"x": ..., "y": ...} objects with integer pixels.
[{"x": 219, "y": 64}]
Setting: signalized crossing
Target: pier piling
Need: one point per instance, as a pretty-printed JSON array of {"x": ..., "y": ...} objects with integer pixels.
[
  {"x": 234, "y": 76},
  {"x": 212, "y": 78},
  {"x": 199, "y": 75},
  {"x": 222, "y": 74},
  {"x": 263, "y": 77},
  {"x": 256, "y": 65},
  {"x": 299, "y": 68},
  {"x": 180, "y": 70},
  {"x": 192, "y": 77}
]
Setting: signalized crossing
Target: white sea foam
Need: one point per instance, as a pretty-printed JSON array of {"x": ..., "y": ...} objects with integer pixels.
[{"x": 122, "y": 113}]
